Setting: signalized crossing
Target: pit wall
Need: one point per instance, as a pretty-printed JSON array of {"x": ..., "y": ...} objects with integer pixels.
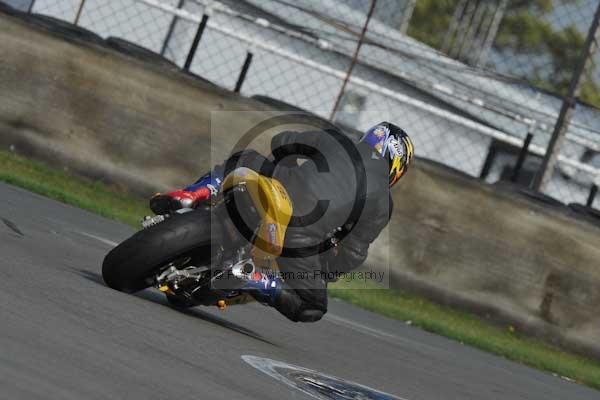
[{"x": 146, "y": 127}]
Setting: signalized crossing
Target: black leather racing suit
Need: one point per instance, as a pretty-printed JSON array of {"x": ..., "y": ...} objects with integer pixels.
[{"x": 340, "y": 185}]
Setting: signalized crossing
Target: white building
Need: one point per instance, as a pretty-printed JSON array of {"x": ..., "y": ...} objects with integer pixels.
[{"x": 302, "y": 49}]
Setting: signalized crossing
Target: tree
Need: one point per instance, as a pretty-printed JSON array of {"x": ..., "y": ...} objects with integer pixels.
[{"x": 529, "y": 45}]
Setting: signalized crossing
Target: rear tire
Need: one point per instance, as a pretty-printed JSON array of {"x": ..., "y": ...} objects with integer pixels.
[{"x": 130, "y": 266}]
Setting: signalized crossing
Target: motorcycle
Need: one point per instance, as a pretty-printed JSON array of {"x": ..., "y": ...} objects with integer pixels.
[{"x": 203, "y": 256}]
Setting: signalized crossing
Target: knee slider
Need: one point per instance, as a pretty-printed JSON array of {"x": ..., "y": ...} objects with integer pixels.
[
  {"x": 290, "y": 304},
  {"x": 310, "y": 315}
]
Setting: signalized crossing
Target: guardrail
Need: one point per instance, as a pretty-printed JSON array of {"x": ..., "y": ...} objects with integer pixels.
[{"x": 371, "y": 86}]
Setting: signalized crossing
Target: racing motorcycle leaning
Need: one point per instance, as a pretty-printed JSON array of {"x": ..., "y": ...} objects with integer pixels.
[{"x": 203, "y": 256}]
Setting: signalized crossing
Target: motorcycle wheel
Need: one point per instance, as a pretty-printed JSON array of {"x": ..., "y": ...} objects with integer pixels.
[{"x": 132, "y": 265}]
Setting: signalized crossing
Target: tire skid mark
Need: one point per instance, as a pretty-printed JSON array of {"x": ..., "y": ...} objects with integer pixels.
[{"x": 12, "y": 226}]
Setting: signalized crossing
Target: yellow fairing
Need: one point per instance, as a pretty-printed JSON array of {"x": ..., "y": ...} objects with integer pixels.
[{"x": 273, "y": 205}]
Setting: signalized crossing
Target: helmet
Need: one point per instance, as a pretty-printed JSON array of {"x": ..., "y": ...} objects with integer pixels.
[{"x": 391, "y": 142}]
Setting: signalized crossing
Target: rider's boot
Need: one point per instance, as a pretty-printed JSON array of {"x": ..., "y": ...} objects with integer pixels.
[
  {"x": 189, "y": 197},
  {"x": 165, "y": 203}
]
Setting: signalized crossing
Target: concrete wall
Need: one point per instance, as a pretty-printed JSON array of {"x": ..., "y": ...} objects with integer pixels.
[
  {"x": 498, "y": 253},
  {"x": 147, "y": 128},
  {"x": 99, "y": 112}
]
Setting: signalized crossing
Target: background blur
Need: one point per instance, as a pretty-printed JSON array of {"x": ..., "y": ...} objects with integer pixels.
[{"x": 468, "y": 79}]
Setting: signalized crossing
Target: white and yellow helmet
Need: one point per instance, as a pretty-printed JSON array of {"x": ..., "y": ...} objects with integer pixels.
[{"x": 389, "y": 140}]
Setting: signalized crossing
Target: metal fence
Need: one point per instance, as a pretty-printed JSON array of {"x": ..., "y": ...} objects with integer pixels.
[{"x": 473, "y": 81}]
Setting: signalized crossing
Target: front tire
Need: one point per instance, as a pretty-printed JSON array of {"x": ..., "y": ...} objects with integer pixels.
[{"x": 131, "y": 266}]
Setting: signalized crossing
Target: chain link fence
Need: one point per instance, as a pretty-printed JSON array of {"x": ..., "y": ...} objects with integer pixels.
[{"x": 472, "y": 81}]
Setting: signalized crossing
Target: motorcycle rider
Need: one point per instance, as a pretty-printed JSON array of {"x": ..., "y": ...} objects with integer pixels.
[{"x": 341, "y": 199}]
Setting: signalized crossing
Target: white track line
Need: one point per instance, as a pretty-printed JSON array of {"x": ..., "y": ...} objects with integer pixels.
[
  {"x": 390, "y": 337},
  {"x": 98, "y": 238}
]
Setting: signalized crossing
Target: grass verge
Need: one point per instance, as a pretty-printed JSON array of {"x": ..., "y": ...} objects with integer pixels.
[
  {"x": 470, "y": 329},
  {"x": 67, "y": 188},
  {"x": 463, "y": 327}
]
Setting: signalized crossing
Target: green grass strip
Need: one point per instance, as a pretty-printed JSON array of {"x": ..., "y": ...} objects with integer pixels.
[
  {"x": 70, "y": 189},
  {"x": 470, "y": 329},
  {"x": 460, "y": 326}
]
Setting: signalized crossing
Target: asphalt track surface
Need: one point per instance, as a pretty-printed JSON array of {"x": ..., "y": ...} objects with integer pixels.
[{"x": 65, "y": 335}]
